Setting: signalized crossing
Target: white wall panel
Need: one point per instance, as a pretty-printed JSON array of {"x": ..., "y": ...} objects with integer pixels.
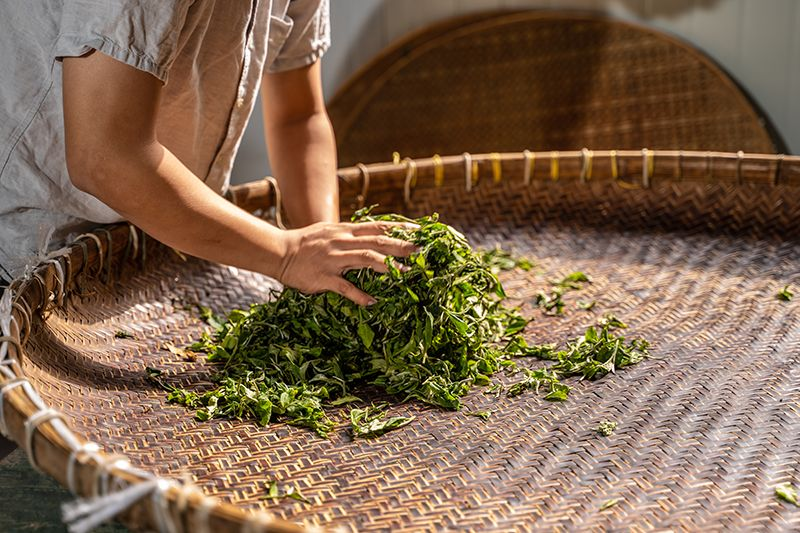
[{"x": 767, "y": 57}]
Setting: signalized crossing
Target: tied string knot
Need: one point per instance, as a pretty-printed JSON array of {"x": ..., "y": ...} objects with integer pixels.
[{"x": 85, "y": 514}]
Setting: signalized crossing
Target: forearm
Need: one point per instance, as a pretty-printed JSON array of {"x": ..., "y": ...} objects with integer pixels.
[
  {"x": 151, "y": 188},
  {"x": 112, "y": 153},
  {"x": 303, "y": 158}
]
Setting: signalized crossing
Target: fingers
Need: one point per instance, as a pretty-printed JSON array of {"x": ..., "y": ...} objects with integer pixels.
[
  {"x": 362, "y": 259},
  {"x": 351, "y": 292},
  {"x": 380, "y": 243},
  {"x": 380, "y": 228}
]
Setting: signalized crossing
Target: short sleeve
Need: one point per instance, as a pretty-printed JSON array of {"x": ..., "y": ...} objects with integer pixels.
[
  {"x": 309, "y": 35},
  {"x": 141, "y": 33}
]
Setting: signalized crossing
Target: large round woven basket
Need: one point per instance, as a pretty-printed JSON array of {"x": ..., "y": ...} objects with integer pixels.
[
  {"x": 544, "y": 80},
  {"x": 690, "y": 249}
]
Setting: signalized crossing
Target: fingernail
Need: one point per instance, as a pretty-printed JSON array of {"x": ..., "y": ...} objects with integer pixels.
[{"x": 371, "y": 301}]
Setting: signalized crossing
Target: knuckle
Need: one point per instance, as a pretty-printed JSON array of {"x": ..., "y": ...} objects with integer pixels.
[
  {"x": 343, "y": 287},
  {"x": 385, "y": 241},
  {"x": 368, "y": 256}
]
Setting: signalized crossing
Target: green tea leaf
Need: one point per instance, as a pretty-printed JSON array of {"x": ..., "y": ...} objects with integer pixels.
[
  {"x": 440, "y": 327},
  {"x": 290, "y": 491},
  {"x": 366, "y": 334},
  {"x": 349, "y": 398},
  {"x": 208, "y": 316},
  {"x": 498, "y": 260},
  {"x": 609, "y": 504},
  {"x": 785, "y": 294},
  {"x": 787, "y": 493},
  {"x": 606, "y": 428},
  {"x": 371, "y": 422}
]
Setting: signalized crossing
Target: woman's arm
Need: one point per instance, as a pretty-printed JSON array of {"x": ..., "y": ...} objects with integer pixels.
[
  {"x": 113, "y": 154},
  {"x": 301, "y": 145}
]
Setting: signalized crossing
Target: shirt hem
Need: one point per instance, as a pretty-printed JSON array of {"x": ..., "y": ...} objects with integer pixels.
[
  {"x": 78, "y": 46},
  {"x": 283, "y": 64}
]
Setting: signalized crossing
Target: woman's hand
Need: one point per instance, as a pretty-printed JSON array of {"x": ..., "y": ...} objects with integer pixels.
[{"x": 317, "y": 256}]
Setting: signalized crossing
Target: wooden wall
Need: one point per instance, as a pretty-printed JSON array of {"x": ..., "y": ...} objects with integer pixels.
[{"x": 757, "y": 41}]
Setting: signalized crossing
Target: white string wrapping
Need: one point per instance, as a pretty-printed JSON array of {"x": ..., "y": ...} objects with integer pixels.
[
  {"x": 100, "y": 485},
  {"x": 646, "y": 162},
  {"x": 7, "y": 386},
  {"x": 5, "y": 321},
  {"x": 739, "y": 158},
  {"x": 134, "y": 240},
  {"x": 527, "y": 171},
  {"x": 31, "y": 425},
  {"x": 87, "y": 448},
  {"x": 99, "y": 244},
  {"x": 468, "y": 170},
  {"x": 257, "y": 523},
  {"x": 201, "y": 515},
  {"x": 586, "y": 164},
  {"x": 58, "y": 297},
  {"x": 25, "y": 324},
  {"x": 82, "y": 516},
  {"x": 411, "y": 176},
  {"x": 161, "y": 506}
]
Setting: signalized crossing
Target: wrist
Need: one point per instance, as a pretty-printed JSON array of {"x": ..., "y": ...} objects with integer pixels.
[
  {"x": 271, "y": 250},
  {"x": 285, "y": 249}
]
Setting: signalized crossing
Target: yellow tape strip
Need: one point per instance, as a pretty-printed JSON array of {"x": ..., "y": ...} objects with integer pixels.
[
  {"x": 438, "y": 170},
  {"x": 497, "y": 167},
  {"x": 554, "y": 165}
]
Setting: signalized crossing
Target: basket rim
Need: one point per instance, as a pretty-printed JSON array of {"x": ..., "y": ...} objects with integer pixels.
[{"x": 53, "y": 447}]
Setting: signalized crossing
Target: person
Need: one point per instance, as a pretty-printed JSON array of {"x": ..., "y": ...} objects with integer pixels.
[{"x": 134, "y": 109}]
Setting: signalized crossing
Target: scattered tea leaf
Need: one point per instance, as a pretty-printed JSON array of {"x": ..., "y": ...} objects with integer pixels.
[
  {"x": 371, "y": 421},
  {"x": 606, "y": 428},
  {"x": 291, "y": 492},
  {"x": 586, "y": 306},
  {"x": 348, "y": 398},
  {"x": 785, "y": 294},
  {"x": 498, "y": 260},
  {"x": 495, "y": 389},
  {"x": 483, "y": 415},
  {"x": 208, "y": 316},
  {"x": 183, "y": 352},
  {"x": 295, "y": 494},
  {"x": 122, "y": 334},
  {"x": 552, "y": 303},
  {"x": 609, "y": 504},
  {"x": 593, "y": 355},
  {"x": 787, "y": 493}
]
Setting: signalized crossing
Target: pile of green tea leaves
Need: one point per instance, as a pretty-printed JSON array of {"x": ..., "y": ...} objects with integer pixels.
[{"x": 438, "y": 328}]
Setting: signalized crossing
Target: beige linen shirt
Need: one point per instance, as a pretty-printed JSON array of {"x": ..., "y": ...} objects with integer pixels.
[{"x": 209, "y": 54}]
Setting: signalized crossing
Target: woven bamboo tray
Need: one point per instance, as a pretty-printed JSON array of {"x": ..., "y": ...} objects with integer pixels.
[
  {"x": 689, "y": 248},
  {"x": 554, "y": 80}
]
